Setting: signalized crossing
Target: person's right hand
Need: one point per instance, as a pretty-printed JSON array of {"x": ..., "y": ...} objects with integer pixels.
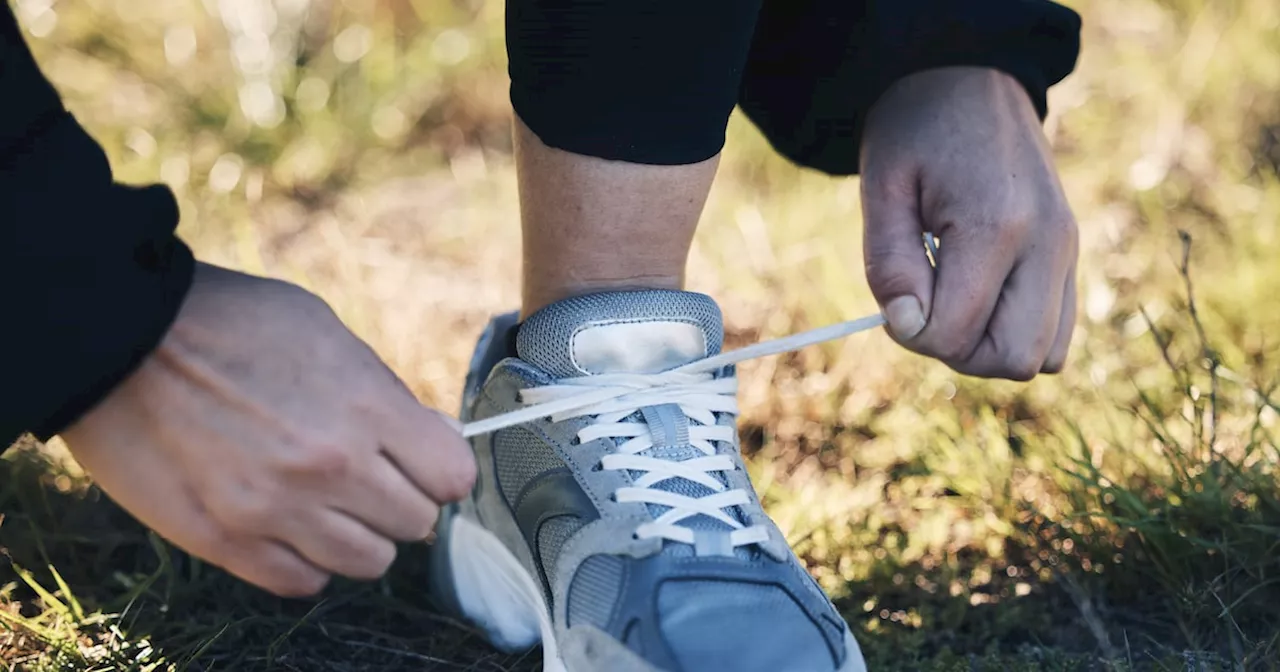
[{"x": 266, "y": 438}]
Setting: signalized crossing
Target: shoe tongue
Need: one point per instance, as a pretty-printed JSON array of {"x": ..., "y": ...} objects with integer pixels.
[{"x": 645, "y": 331}]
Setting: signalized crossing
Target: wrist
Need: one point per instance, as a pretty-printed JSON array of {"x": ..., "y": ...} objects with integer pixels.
[{"x": 965, "y": 94}]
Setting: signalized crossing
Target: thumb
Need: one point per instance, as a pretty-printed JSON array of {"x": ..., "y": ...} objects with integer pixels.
[{"x": 898, "y": 267}]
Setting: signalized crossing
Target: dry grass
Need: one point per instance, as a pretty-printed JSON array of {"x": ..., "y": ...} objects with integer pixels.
[{"x": 1123, "y": 515}]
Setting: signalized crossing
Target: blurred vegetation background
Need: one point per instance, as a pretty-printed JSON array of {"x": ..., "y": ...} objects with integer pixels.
[{"x": 1124, "y": 515}]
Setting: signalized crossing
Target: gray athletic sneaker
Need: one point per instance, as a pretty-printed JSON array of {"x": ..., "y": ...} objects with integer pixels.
[{"x": 623, "y": 533}]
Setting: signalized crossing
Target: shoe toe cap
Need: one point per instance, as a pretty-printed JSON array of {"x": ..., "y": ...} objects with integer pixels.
[{"x": 723, "y": 625}]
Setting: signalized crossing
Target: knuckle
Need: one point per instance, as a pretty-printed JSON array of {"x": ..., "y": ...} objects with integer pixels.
[
  {"x": 248, "y": 508},
  {"x": 1013, "y": 227},
  {"x": 1004, "y": 232},
  {"x": 331, "y": 462},
  {"x": 244, "y": 513},
  {"x": 1066, "y": 225},
  {"x": 1063, "y": 231},
  {"x": 326, "y": 460}
]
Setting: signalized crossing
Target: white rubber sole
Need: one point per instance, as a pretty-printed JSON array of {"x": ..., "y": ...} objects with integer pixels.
[{"x": 498, "y": 594}]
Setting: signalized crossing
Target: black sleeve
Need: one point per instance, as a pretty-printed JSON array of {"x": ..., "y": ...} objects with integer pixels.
[
  {"x": 655, "y": 81},
  {"x": 817, "y": 66},
  {"x": 91, "y": 273}
]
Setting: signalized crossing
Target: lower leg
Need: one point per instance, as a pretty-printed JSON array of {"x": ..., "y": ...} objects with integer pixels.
[{"x": 591, "y": 224}]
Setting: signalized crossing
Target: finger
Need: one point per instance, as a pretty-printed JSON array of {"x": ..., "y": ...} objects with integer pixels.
[
  {"x": 274, "y": 567},
  {"x": 335, "y": 542},
  {"x": 973, "y": 263},
  {"x": 429, "y": 450},
  {"x": 898, "y": 270},
  {"x": 383, "y": 498},
  {"x": 170, "y": 506},
  {"x": 424, "y": 444},
  {"x": 1024, "y": 325},
  {"x": 1057, "y": 357}
]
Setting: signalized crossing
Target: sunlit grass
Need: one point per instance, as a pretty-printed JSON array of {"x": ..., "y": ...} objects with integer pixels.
[{"x": 1123, "y": 515}]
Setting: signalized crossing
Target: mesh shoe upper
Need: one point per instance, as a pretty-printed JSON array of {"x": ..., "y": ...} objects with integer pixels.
[
  {"x": 733, "y": 596},
  {"x": 651, "y": 332}
]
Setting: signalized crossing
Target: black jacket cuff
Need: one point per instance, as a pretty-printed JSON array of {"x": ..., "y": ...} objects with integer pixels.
[
  {"x": 1035, "y": 41},
  {"x": 91, "y": 277}
]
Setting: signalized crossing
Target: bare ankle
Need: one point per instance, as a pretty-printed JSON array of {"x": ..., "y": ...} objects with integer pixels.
[{"x": 538, "y": 295}]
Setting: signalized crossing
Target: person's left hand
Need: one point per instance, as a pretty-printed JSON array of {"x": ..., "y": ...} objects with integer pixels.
[{"x": 959, "y": 152}]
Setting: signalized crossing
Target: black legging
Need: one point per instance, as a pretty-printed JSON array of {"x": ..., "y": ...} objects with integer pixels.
[{"x": 654, "y": 81}]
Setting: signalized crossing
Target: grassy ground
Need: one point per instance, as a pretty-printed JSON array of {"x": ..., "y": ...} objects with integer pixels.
[{"x": 1124, "y": 515}]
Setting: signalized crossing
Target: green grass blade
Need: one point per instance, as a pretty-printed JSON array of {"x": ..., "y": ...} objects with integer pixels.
[
  {"x": 76, "y": 609},
  {"x": 45, "y": 596}
]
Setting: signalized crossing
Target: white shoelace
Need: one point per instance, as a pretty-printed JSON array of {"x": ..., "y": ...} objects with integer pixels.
[{"x": 610, "y": 398}]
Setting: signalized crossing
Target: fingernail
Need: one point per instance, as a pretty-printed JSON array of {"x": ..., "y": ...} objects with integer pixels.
[{"x": 905, "y": 317}]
